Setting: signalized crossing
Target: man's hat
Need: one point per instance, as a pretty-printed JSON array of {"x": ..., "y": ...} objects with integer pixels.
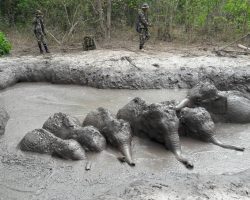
[
  {"x": 39, "y": 12},
  {"x": 145, "y": 5}
]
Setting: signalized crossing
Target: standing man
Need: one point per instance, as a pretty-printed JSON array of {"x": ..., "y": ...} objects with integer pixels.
[
  {"x": 142, "y": 25},
  {"x": 39, "y": 31}
]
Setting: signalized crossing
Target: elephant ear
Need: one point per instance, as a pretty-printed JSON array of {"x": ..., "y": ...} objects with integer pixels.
[{"x": 217, "y": 106}]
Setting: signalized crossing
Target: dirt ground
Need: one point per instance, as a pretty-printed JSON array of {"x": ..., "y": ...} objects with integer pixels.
[
  {"x": 29, "y": 48},
  {"x": 218, "y": 173}
]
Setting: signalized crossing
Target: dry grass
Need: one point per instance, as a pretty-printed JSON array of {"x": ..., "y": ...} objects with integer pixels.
[{"x": 24, "y": 41}]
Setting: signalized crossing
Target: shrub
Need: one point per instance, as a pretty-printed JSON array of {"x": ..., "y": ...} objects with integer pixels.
[{"x": 5, "y": 45}]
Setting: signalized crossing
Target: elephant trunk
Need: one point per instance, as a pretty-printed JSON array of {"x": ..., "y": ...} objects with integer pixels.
[
  {"x": 172, "y": 142},
  {"x": 182, "y": 104},
  {"x": 183, "y": 160},
  {"x": 127, "y": 155},
  {"x": 226, "y": 146}
]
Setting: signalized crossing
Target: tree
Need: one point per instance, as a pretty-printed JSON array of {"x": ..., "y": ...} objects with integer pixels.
[
  {"x": 109, "y": 10},
  {"x": 185, "y": 18},
  {"x": 101, "y": 18}
]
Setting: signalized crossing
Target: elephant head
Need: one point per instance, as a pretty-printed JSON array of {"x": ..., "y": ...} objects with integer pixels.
[
  {"x": 131, "y": 112},
  {"x": 160, "y": 123},
  {"x": 70, "y": 149},
  {"x": 116, "y": 131},
  {"x": 121, "y": 138},
  {"x": 205, "y": 95},
  {"x": 198, "y": 124},
  {"x": 65, "y": 126},
  {"x": 44, "y": 142}
]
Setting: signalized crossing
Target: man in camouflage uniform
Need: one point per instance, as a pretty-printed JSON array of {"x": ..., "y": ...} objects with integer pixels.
[
  {"x": 39, "y": 31},
  {"x": 142, "y": 25}
]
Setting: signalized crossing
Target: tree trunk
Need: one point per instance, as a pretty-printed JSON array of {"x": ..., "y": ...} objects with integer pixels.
[
  {"x": 8, "y": 10},
  {"x": 101, "y": 18},
  {"x": 109, "y": 10}
]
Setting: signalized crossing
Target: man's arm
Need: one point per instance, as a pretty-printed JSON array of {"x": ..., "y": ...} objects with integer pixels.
[
  {"x": 34, "y": 21},
  {"x": 42, "y": 25},
  {"x": 143, "y": 19}
]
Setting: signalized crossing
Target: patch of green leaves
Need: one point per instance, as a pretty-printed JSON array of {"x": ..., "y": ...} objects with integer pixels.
[{"x": 5, "y": 45}]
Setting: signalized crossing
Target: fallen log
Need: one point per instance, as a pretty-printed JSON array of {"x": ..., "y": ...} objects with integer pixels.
[
  {"x": 239, "y": 39},
  {"x": 243, "y": 47},
  {"x": 231, "y": 53}
]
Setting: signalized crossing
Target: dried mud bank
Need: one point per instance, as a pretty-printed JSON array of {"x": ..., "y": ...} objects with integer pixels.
[{"x": 127, "y": 70}]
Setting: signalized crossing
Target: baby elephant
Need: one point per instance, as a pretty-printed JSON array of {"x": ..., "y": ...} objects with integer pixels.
[
  {"x": 198, "y": 124},
  {"x": 66, "y": 127},
  {"x": 131, "y": 112},
  {"x": 44, "y": 142},
  {"x": 158, "y": 122},
  {"x": 161, "y": 124},
  {"x": 117, "y": 132},
  {"x": 224, "y": 106}
]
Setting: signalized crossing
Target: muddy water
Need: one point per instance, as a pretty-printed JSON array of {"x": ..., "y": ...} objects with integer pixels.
[{"x": 34, "y": 176}]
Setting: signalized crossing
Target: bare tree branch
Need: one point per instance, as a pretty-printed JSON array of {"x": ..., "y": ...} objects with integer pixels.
[
  {"x": 75, "y": 13},
  {"x": 57, "y": 41},
  {"x": 67, "y": 14}
]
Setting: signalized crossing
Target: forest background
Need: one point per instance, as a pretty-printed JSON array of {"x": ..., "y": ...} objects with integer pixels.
[{"x": 68, "y": 21}]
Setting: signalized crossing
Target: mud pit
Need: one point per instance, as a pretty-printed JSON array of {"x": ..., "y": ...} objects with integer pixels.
[{"x": 218, "y": 173}]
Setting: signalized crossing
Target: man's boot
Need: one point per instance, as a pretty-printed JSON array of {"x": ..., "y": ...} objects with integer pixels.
[
  {"x": 46, "y": 48},
  {"x": 40, "y": 47}
]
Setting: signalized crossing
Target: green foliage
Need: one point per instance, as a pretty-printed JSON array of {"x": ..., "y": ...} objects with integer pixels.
[
  {"x": 5, "y": 45},
  {"x": 208, "y": 17},
  {"x": 238, "y": 12}
]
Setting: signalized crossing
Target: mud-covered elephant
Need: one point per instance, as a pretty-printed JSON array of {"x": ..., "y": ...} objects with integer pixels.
[
  {"x": 116, "y": 131},
  {"x": 198, "y": 124},
  {"x": 224, "y": 106},
  {"x": 158, "y": 122},
  {"x": 43, "y": 142},
  {"x": 64, "y": 126}
]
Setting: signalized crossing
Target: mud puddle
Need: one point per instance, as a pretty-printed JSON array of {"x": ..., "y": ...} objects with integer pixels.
[{"x": 35, "y": 176}]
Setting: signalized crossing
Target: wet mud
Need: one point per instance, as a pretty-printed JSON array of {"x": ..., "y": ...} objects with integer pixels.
[
  {"x": 127, "y": 70},
  {"x": 218, "y": 173}
]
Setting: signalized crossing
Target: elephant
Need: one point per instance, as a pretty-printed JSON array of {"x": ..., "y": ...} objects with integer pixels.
[
  {"x": 4, "y": 117},
  {"x": 131, "y": 112},
  {"x": 158, "y": 122},
  {"x": 65, "y": 126},
  {"x": 117, "y": 132},
  {"x": 197, "y": 123},
  {"x": 224, "y": 106},
  {"x": 44, "y": 142}
]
